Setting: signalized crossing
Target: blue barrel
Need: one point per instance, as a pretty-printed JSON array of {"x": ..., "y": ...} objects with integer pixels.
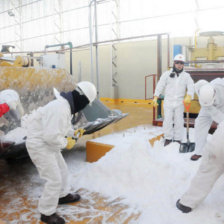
[{"x": 177, "y": 49}]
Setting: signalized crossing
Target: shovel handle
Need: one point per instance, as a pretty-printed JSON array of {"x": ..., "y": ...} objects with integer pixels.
[{"x": 187, "y": 107}]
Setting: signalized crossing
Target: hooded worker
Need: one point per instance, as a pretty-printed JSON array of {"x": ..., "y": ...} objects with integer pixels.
[
  {"x": 173, "y": 85},
  {"x": 211, "y": 99},
  {"x": 47, "y": 128}
]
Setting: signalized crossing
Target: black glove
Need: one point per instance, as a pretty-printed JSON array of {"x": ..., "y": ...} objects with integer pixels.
[{"x": 5, "y": 145}]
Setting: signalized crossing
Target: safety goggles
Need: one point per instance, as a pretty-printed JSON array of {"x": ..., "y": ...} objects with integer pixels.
[{"x": 179, "y": 62}]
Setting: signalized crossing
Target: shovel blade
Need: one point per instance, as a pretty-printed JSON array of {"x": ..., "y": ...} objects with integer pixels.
[{"x": 187, "y": 147}]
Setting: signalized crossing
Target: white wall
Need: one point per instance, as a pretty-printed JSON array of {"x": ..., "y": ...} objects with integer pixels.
[{"x": 135, "y": 60}]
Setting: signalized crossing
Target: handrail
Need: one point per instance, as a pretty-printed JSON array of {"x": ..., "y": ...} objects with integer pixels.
[
  {"x": 154, "y": 83},
  {"x": 154, "y": 87}
]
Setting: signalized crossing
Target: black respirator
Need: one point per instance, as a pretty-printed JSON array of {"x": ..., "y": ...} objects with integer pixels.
[
  {"x": 175, "y": 72},
  {"x": 172, "y": 74}
]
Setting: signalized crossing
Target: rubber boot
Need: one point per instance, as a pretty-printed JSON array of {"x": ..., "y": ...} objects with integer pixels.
[
  {"x": 178, "y": 141},
  {"x": 69, "y": 198},
  {"x": 167, "y": 142},
  {"x": 183, "y": 208},
  {"x": 195, "y": 157},
  {"x": 52, "y": 219}
]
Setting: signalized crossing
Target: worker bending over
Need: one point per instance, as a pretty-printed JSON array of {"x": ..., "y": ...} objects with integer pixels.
[
  {"x": 47, "y": 129},
  {"x": 211, "y": 99},
  {"x": 210, "y": 169},
  {"x": 173, "y": 85}
]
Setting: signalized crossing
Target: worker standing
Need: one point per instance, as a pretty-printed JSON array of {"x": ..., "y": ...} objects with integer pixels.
[
  {"x": 47, "y": 129},
  {"x": 173, "y": 85},
  {"x": 211, "y": 99}
]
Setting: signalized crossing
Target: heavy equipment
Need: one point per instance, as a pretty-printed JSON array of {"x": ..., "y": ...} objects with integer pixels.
[{"x": 35, "y": 87}]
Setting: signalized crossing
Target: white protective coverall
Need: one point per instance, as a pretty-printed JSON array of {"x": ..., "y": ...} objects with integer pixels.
[
  {"x": 210, "y": 169},
  {"x": 47, "y": 129},
  {"x": 174, "y": 90},
  {"x": 209, "y": 114}
]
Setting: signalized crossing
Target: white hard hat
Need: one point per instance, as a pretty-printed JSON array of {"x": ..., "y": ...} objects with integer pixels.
[
  {"x": 179, "y": 57},
  {"x": 11, "y": 97},
  {"x": 88, "y": 89},
  {"x": 206, "y": 95},
  {"x": 8, "y": 95},
  {"x": 199, "y": 84}
]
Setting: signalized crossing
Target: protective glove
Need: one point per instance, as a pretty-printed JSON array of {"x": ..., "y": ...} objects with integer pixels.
[
  {"x": 70, "y": 143},
  {"x": 154, "y": 102},
  {"x": 4, "y": 108},
  {"x": 5, "y": 145},
  {"x": 79, "y": 132},
  {"x": 187, "y": 99}
]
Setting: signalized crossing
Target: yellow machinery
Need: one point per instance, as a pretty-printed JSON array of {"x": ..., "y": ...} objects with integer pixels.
[
  {"x": 14, "y": 75},
  {"x": 34, "y": 85},
  {"x": 206, "y": 63},
  {"x": 211, "y": 52}
]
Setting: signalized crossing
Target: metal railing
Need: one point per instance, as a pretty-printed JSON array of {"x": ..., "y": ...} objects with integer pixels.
[{"x": 153, "y": 77}]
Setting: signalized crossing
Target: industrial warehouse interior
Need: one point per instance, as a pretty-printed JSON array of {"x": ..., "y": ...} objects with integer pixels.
[{"x": 111, "y": 112}]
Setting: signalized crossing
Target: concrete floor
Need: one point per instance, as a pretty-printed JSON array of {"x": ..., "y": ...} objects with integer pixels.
[{"x": 18, "y": 182}]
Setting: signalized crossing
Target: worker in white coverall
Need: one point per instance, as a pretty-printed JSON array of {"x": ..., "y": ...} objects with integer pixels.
[
  {"x": 9, "y": 104},
  {"x": 208, "y": 113},
  {"x": 173, "y": 85},
  {"x": 47, "y": 129},
  {"x": 212, "y": 164}
]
